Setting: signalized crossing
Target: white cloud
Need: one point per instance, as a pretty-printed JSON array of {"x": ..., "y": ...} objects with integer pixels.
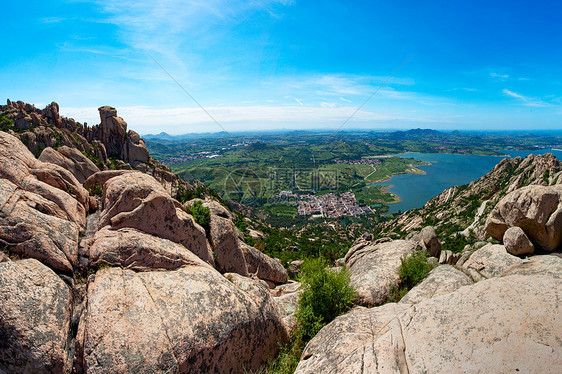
[
  {"x": 493, "y": 74},
  {"x": 525, "y": 100}
]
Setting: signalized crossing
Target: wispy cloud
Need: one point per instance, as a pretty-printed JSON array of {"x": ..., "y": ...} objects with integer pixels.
[
  {"x": 162, "y": 26},
  {"x": 526, "y": 100},
  {"x": 493, "y": 74},
  {"x": 53, "y": 19}
]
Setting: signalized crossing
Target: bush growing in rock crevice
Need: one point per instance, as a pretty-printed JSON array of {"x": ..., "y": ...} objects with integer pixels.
[
  {"x": 200, "y": 213},
  {"x": 326, "y": 294},
  {"x": 413, "y": 269}
]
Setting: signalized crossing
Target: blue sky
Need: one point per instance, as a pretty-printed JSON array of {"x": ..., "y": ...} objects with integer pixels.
[{"x": 269, "y": 64}]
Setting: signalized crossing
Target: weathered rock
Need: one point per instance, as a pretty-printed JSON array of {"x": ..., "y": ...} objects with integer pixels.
[
  {"x": 490, "y": 261},
  {"x": 137, "y": 200},
  {"x": 191, "y": 320},
  {"x": 535, "y": 209},
  {"x": 295, "y": 267},
  {"x": 27, "y": 231},
  {"x": 134, "y": 149},
  {"x": 537, "y": 265},
  {"x": 288, "y": 304},
  {"x": 99, "y": 178},
  {"x": 430, "y": 242},
  {"x": 72, "y": 160},
  {"x": 263, "y": 266},
  {"x": 501, "y": 325},
  {"x": 374, "y": 269},
  {"x": 215, "y": 207},
  {"x": 516, "y": 242},
  {"x": 113, "y": 130},
  {"x": 35, "y": 312},
  {"x": 50, "y": 181},
  {"x": 441, "y": 280},
  {"x": 132, "y": 249},
  {"x": 225, "y": 239}
]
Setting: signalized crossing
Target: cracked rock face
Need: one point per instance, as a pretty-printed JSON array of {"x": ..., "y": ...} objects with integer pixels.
[
  {"x": 35, "y": 312},
  {"x": 132, "y": 249},
  {"x": 191, "y": 320},
  {"x": 27, "y": 229},
  {"x": 138, "y": 201},
  {"x": 493, "y": 326},
  {"x": 72, "y": 160}
]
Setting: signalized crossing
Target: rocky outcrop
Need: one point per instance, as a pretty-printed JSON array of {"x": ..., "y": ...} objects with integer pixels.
[
  {"x": 516, "y": 242},
  {"x": 72, "y": 160},
  {"x": 441, "y": 280},
  {"x": 108, "y": 145},
  {"x": 112, "y": 132},
  {"x": 50, "y": 181},
  {"x": 374, "y": 269},
  {"x": 509, "y": 324},
  {"x": 188, "y": 320},
  {"x": 35, "y": 313},
  {"x": 138, "y": 201},
  {"x": 132, "y": 249},
  {"x": 535, "y": 209}
]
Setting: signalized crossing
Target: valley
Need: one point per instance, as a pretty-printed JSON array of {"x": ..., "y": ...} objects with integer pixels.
[{"x": 294, "y": 177}]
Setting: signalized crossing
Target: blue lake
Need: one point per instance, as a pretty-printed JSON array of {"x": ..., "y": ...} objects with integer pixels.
[{"x": 445, "y": 171}]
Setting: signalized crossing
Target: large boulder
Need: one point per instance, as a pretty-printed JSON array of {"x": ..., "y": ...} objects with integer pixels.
[
  {"x": 374, "y": 269},
  {"x": 52, "y": 182},
  {"x": 430, "y": 242},
  {"x": 263, "y": 266},
  {"x": 490, "y": 261},
  {"x": 191, "y": 320},
  {"x": 535, "y": 209},
  {"x": 441, "y": 280},
  {"x": 138, "y": 201},
  {"x": 35, "y": 313},
  {"x": 226, "y": 242},
  {"x": 132, "y": 249},
  {"x": 72, "y": 160},
  {"x": 516, "y": 242},
  {"x": 501, "y": 325},
  {"x": 27, "y": 229}
]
